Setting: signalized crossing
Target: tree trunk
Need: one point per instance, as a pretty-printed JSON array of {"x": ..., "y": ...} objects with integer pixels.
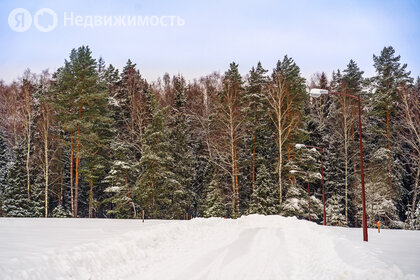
[
  {"x": 71, "y": 171},
  {"x": 389, "y": 151},
  {"x": 128, "y": 192},
  {"x": 236, "y": 176},
  {"x": 280, "y": 146},
  {"x": 28, "y": 174},
  {"x": 91, "y": 199},
  {"x": 253, "y": 154},
  {"x": 416, "y": 186},
  {"x": 353, "y": 132},
  {"x": 47, "y": 166},
  {"x": 60, "y": 195},
  {"x": 345, "y": 157},
  {"x": 76, "y": 193},
  {"x": 233, "y": 179},
  {"x": 28, "y": 130},
  {"x": 232, "y": 163}
]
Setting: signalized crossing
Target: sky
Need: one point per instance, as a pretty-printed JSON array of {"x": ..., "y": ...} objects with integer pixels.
[{"x": 320, "y": 35}]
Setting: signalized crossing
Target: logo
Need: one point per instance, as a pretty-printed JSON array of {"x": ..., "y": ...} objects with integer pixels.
[
  {"x": 51, "y": 19},
  {"x": 20, "y": 20}
]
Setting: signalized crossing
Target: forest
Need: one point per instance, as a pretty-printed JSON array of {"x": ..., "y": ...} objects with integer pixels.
[{"x": 90, "y": 140}]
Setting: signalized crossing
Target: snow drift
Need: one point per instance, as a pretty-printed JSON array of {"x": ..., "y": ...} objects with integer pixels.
[{"x": 252, "y": 247}]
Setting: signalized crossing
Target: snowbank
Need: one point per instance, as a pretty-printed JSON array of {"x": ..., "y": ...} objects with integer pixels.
[{"x": 253, "y": 247}]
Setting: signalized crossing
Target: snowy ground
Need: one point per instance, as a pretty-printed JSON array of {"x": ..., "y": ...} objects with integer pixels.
[{"x": 253, "y": 247}]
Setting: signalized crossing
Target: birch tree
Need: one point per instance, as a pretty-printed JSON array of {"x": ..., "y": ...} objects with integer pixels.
[
  {"x": 410, "y": 132},
  {"x": 285, "y": 96},
  {"x": 230, "y": 120},
  {"x": 28, "y": 89}
]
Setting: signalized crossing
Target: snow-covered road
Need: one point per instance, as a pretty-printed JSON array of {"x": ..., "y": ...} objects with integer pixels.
[{"x": 253, "y": 247}]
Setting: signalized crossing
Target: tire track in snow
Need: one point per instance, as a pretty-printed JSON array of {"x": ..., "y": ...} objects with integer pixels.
[
  {"x": 272, "y": 247},
  {"x": 255, "y": 253}
]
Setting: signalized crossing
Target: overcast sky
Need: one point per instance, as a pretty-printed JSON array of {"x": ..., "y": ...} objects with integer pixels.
[{"x": 319, "y": 35}]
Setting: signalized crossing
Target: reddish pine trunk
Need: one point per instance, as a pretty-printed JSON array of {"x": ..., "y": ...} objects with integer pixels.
[
  {"x": 76, "y": 193},
  {"x": 71, "y": 171},
  {"x": 389, "y": 152}
]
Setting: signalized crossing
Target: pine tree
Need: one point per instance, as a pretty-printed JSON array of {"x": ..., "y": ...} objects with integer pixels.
[
  {"x": 264, "y": 200},
  {"x": 97, "y": 139},
  {"x": 16, "y": 202},
  {"x": 383, "y": 143},
  {"x": 83, "y": 111}
]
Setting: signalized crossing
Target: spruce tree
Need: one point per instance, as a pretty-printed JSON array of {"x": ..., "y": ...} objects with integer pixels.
[
  {"x": 417, "y": 217},
  {"x": 258, "y": 127},
  {"x": 180, "y": 144},
  {"x": 61, "y": 212},
  {"x": 157, "y": 190},
  {"x": 37, "y": 205},
  {"x": 119, "y": 188},
  {"x": 336, "y": 81},
  {"x": 213, "y": 199},
  {"x": 4, "y": 160},
  {"x": 352, "y": 80},
  {"x": 264, "y": 199},
  {"x": 346, "y": 111},
  {"x": 130, "y": 99},
  {"x": 334, "y": 169},
  {"x": 334, "y": 209},
  {"x": 323, "y": 81},
  {"x": 305, "y": 162},
  {"x": 16, "y": 202}
]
